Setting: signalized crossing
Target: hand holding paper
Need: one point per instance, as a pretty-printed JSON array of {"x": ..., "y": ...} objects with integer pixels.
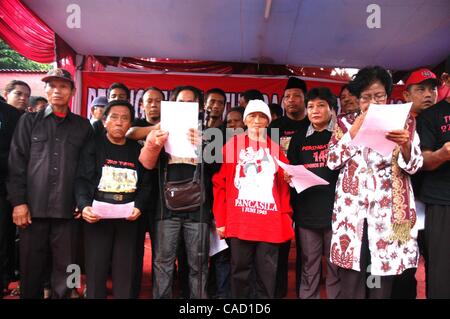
[
  {"x": 176, "y": 119},
  {"x": 301, "y": 177},
  {"x": 379, "y": 120}
]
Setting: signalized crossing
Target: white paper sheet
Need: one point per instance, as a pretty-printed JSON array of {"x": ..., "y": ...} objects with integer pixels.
[
  {"x": 302, "y": 178},
  {"x": 177, "y": 118},
  {"x": 111, "y": 211},
  {"x": 380, "y": 119},
  {"x": 420, "y": 214},
  {"x": 216, "y": 245}
]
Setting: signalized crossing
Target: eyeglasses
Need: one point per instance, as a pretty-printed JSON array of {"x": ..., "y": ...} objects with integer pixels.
[{"x": 379, "y": 97}]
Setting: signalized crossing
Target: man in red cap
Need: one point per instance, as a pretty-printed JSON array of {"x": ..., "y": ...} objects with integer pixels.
[
  {"x": 434, "y": 131},
  {"x": 421, "y": 90},
  {"x": 43, "y": 160}
]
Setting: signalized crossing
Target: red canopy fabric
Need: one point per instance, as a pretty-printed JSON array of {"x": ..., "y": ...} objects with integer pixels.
[
  {"x": 23, "y": 31},
  {"x": 26, "y": 33},
  {"x": 97, "y": 63}
]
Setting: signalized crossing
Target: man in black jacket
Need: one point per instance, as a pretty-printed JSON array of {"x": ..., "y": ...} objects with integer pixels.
[
  {"x": 9, "y": 116},
  {"x": 42, "y": 164}
]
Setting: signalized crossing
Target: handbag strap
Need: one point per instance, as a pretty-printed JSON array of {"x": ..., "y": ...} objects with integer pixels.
[{"x": 195, "y": 178}]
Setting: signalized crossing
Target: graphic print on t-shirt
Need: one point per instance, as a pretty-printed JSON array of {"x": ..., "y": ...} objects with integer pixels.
[
  {"x": 117, "y": 179},
  {"x": 254, "y": 178},
  {"x": 284, "y": 143}
]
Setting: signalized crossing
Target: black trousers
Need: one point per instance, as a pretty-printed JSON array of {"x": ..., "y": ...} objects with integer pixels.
[
  {"x": 44, "y": 234},
  {"x": 248, "y": 255},
  {"x": 281, "y": 284},
  {"x": 404, "y": 285},
  {"x": 7, "y": 244},
  {"x": 168, "y": 237},
  {"x": 354, "y": 284},
  {"x": 437, "y": 241},
  {"x": 111, "y": 243},
  {"x": 144, "y": 227}
]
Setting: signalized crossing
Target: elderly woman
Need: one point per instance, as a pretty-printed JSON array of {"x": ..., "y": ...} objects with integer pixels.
[
  {"x": 251, "y": 204},
  {"x": 374, "y": 214}
]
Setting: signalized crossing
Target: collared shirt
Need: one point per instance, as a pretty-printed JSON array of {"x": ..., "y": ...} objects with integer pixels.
[
  {"x": 311, "y": 128},
  {"x": 43, "y": 160}
]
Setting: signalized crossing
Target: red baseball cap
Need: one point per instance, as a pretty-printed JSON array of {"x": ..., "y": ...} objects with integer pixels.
[{"x": 421, "y": 75}]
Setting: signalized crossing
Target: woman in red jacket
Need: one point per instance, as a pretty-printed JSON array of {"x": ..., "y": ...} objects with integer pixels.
[{"x": 251, "y": 204}]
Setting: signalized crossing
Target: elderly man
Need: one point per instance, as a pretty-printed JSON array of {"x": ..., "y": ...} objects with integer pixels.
[{"x": 42, "y": 163}]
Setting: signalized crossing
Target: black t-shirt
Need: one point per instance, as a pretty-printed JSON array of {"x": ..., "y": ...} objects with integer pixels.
[
  {"x": 314, "y": 206},
  {"x": 98, "y": 127},
  {"x": 433, "y": 126},
  {"x": 141, "y": 123},
  {"x": 287, "y": 128},
  {"x": 119, "y": 168},
  {"x": 110, "y": 168}
]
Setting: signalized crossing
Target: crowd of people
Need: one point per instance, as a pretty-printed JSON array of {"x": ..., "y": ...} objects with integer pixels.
[{"x": 85, "y": 192}]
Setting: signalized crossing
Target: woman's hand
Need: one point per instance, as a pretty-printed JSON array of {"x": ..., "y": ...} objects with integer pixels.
[
  {"x": 401, "y": 138},
  {"x": 89, "y": 216},
  {"x": 287, "y": 177},
  {"x": 157, "y": 137},
  {"x": 221, "y": 232},
  {"x": 194, "y": 137},
  {"x": 136, "y": 213},
  {"x": 357, "y": 124}
]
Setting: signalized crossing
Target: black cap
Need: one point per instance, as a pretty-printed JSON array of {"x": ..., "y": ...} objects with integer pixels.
[{"x": 296, "y": 83}]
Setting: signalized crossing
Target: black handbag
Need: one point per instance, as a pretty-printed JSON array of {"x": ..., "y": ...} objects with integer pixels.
[{"x": 184, "y": 195}]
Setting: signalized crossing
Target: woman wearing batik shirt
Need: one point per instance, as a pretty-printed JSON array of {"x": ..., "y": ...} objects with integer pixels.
[
  {"x": 251, "y": 204},
  {"x": 373, "y": 220}
]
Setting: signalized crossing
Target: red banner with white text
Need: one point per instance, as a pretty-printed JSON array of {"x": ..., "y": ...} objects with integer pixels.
[{"x": 96, "y": 84}]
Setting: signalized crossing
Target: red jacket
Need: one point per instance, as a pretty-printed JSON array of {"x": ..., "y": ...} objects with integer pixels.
[{"x": 251, "y": 198}]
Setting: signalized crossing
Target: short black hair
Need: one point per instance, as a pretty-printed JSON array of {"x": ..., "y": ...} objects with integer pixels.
[
  {"x": 252, "y": 95},
  {"x": 36, "y": 99},
  {"x": 325, "y": 94},
  {"x": 345, "y": 86},
  {"x": 238, "y": 109},
  {"x": 118, "y": 85},
  {"x": 217, "y": 91},
  {"x": 119, "y": 103},
  {"x": 367, "y": 76},
  {"x": 197, "y": 93},
  {"x": 276, "y": 108},
  {"x": 154, "y": 88}
]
